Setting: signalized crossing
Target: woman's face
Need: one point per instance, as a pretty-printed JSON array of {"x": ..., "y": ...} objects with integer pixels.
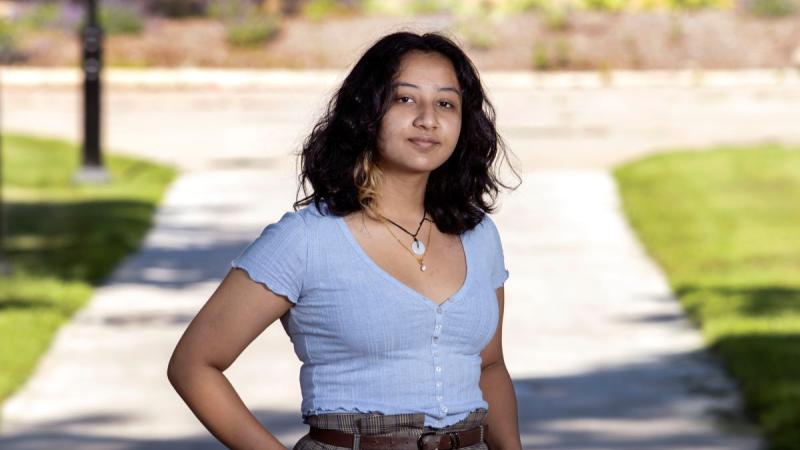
[{"x": 425, "y": 106}]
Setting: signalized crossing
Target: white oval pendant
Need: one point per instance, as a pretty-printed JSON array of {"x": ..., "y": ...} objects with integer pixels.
[
  {"x": 422, "y": 267},
  {"x": 418, "y": 247}
]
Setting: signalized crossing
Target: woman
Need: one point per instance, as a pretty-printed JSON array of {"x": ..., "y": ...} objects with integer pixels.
[{"x": 389, "y": 280}]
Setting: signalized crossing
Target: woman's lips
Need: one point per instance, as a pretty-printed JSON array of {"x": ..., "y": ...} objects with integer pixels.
[{"x": 423, "y": 143}]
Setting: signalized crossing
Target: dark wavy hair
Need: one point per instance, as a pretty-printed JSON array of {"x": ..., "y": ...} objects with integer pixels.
[{"x": 346, "y": 136}]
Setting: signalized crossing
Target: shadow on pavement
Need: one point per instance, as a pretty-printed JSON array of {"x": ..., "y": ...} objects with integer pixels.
[
  {"x": 52, "y": 436},
  {"x": 648, "y": 405},
  {"x": 671, "y": 402}
]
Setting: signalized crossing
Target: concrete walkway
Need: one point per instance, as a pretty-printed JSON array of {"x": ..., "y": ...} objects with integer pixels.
[{"x": 600, "y": 353}]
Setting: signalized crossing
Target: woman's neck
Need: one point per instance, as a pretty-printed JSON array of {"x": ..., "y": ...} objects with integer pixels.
[{"x": 402, "y": 198}]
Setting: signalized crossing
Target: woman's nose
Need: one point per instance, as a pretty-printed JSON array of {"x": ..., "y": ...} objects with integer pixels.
[{"x": 426, "y": 116}]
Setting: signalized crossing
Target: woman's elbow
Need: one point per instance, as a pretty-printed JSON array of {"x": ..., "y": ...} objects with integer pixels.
[
  {"x": 175, "y": 370},
  {"x": 179, "y": 367}
]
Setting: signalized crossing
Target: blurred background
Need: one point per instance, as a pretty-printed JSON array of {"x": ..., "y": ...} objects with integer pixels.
[
  {"x": 501, "y": 34},
  {"x": 654, "y": 291}
]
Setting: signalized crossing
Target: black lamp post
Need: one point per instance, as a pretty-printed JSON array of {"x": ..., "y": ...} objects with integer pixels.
[{"x": 92, "y": 37}]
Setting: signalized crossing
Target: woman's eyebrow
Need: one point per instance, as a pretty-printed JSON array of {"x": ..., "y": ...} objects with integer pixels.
[{"x": 446, "y": 88}]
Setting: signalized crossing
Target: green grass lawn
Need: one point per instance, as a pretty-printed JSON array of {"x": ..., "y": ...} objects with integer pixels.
[
  {"x": 62, "y": 239},
  {"x": 724, "y": 225}
]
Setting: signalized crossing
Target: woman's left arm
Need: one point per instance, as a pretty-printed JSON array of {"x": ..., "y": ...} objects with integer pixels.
[{"x": 498, "y": 391}]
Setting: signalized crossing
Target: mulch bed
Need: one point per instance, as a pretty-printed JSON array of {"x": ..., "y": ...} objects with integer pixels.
[{"x": 711, "y": 39}]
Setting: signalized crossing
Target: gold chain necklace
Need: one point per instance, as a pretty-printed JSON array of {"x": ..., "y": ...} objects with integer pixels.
[{"x": 419, "y": 258}]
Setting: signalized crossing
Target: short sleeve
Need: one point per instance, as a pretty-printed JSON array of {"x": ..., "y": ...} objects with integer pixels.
[
  {"x": 499, "y": 271},
  {"x": 277, "y": 258}
]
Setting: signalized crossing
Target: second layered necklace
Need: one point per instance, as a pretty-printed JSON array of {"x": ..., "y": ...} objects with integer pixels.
[{"x": 417, "y": 249}]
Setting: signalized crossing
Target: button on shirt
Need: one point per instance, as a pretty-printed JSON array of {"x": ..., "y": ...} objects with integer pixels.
[{"x": 368, "y": 342}]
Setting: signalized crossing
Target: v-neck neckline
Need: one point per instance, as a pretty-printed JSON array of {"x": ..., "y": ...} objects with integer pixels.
[{"x": 391, "y": 278}]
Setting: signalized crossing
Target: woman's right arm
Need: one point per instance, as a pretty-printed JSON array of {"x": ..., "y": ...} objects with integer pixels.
[{"x": 235, "y": 314}]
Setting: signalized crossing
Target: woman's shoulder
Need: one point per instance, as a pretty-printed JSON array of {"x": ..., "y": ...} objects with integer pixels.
[
  {"x": 299, "y": 222},
  {"x": 314, "y": 214},
  {"x": 317, "y": 220},
  {"x": 484, "y": 226},
  {"x": 486, "y": 231},
  {"x": 313, "y": 210}
]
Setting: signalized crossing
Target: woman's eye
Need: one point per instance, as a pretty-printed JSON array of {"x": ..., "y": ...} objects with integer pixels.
[{"x": 448, "y": 104}]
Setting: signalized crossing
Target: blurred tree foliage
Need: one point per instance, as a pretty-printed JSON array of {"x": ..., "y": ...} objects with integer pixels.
[{"x": 9, "y": 51}]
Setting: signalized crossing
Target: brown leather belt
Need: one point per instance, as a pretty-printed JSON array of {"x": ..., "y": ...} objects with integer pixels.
[{"x": 428, "y": 440}]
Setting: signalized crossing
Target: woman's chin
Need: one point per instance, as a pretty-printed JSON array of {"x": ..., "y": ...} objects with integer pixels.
[
  {"x": 413, "y": 163},
  {"x": 413, "y": 168}
]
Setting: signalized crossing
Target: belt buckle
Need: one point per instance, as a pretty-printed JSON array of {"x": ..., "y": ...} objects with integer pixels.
[
  {"x": 455, "y": 442},
  {"x": 419, "y": 439}
]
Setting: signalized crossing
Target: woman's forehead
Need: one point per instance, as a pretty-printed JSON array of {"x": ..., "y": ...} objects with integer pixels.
[
  {"x": 436, "y": 86},
  {"x": 426, "y": 71}
]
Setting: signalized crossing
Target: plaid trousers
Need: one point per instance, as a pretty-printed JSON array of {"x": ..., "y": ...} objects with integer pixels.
[{"x": 375, "y": 423}]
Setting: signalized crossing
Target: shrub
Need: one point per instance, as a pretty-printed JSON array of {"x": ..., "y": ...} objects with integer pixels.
[
  {"x": 556, "y": 18},
  {"x": 676, "y": 32},
  {"x": 676, "y": 5},
  {"x": 514, "y": 6},
  {"x": 476, "y": 30},
  {"x": 563, "y": 52},
  {"x": 231, "y": 9},
  {"x": 694, "y": 4},
  {"x": 548, "y": 56},
  {"x": 177, "y": 8},
  {"x": 411, "y": 7},
  {"x": 378, "y": 7},
  {"x": 252, "y": 31},
  {"x": 9, "y": 51},
  {"x": 541, "y": 59},
  {"x": 772, "y": 8},
  {"x": 118, "y": 19},
  {"x": 317, "y": 10},
  {"x": 606, "y": 5},
  {"x": 42, "y": 15},
  {"x": 429, "y": 6}
]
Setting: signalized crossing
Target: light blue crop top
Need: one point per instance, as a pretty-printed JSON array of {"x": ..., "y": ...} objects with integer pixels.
[{"x": 368, "y": 342}]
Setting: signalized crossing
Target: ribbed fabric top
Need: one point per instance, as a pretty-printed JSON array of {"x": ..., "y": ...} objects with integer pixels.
[{"x": 368, "y": 342}]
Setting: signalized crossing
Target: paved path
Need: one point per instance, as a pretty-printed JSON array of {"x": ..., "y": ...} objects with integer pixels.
[{"x": 600, "y": 353}]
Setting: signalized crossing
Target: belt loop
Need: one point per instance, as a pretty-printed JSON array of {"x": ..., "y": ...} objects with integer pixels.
[{"x": 357, "y": 435}]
